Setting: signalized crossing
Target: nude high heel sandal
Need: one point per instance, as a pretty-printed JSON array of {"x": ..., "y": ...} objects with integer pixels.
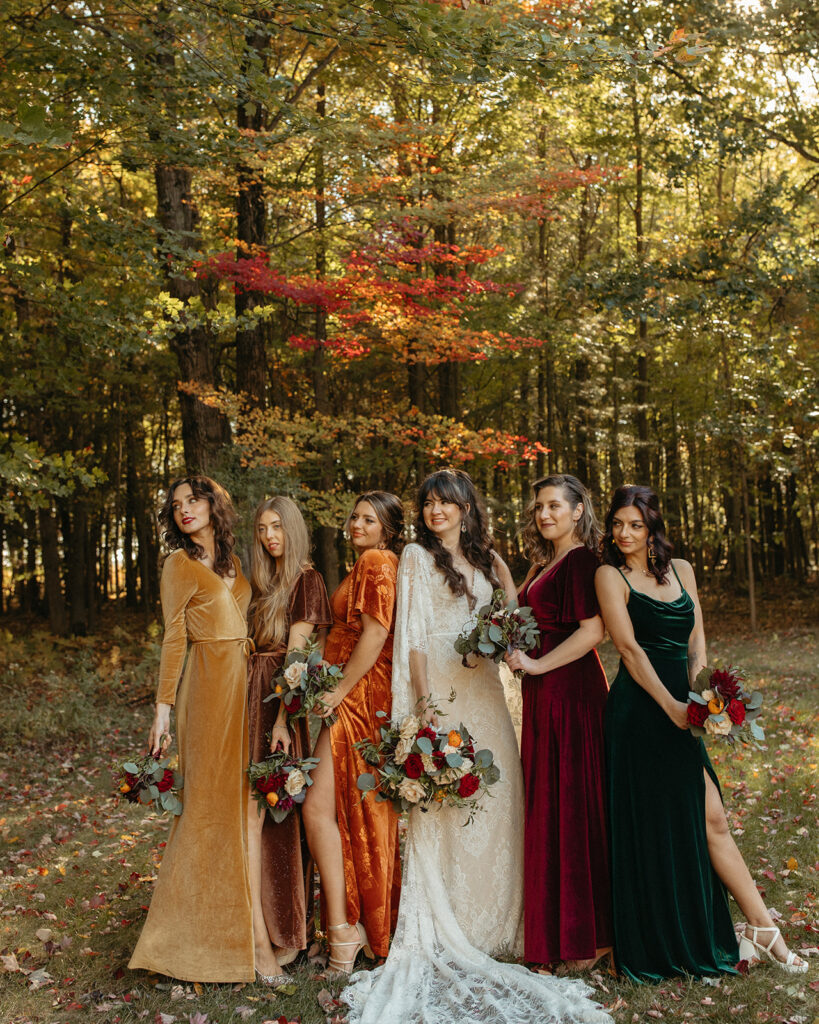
[
  {"x": 336, "y": 966},
  {"x": 751, "y": 949}
]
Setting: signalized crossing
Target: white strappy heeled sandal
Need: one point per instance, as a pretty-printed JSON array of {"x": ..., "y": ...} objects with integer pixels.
[
  {"x": 752, "y": 950},
  {"x": 336, "y": 966}
]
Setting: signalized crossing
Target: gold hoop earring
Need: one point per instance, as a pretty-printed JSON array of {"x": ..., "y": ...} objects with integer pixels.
[{"x": 651, "y": 555}]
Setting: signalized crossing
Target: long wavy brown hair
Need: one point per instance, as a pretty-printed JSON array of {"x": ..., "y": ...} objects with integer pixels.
[
  {"x": 390, "y": 514},
  {"x": 541, "y": 551},
  {"x": 476, "y": 544},
  {"x": 222, "y": 518},
  {"x": 648, "y": 504},
  {"x": 272, "y": 587}
]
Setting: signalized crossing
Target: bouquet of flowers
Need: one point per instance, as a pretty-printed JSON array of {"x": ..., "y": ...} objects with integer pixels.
[
  {"x": 304, "y": 677},
  {"x": 501, "y": 626},
  {"x": 416, "y": 765},
  {"x": 280, "y": 782},
  {"x": 144, "y": 780},
  {"x": 721, "y": 706}
]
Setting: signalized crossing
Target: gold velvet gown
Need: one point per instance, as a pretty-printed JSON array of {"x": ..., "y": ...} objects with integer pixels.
[
  {"x": 369, "y": 830},
  {"x": 199, "y": 925},
  {"x": 287, "y": 867}
]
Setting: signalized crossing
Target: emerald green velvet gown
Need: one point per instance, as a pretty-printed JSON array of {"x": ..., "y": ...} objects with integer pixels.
[{"x": 670, "y": 909}]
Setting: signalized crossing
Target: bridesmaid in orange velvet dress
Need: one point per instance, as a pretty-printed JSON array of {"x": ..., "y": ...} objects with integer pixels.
[
  {"x": 567, "y": 915},
  {"x": 289, "y": 604},
  {"x": 355, "y": 842}
]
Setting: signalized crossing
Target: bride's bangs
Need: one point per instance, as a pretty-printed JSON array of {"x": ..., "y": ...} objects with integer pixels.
[{"x": 444, "y": 486}]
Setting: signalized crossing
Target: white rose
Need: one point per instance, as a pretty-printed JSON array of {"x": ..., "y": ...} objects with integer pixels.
[
  {"x": 403, "y": 748},
  {"x": 295, "y": 782},
  {"x": 292, "y": 674},
  {"x": 714, "y": 728},
  {"x": 409, "y": 727},
  {"x": 411, "y": 789}
]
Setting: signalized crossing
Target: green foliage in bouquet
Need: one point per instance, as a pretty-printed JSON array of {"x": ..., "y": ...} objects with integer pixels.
[
  {"x": 305, "y": 676},
  {"x": 280, "y": 782},
  {"x": 501, "y": 626},
  {"x": 719, "y": 705},
  {"x": 144, "y": 780}
]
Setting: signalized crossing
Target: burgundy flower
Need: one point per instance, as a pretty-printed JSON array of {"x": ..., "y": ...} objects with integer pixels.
[
  {"x": 697, "y": 713},
  {"x": 428, "y": 732},
  {"x": 166, "y": 782},
  {"x": 293, "y": 701},
  {"x": 439, "y": 757},
  {"x": 468, "y": 785},
  {"x": 285, "y": 804},
  {"x": 736, "y": 711},
  {"x": 266, "y": 784},
  {"x": 414, "y": 766},
  {"x": 726, "y": 682}
]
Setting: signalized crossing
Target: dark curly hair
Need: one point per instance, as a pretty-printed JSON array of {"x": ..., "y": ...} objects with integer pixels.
[
  {"x": 390, "y": 514},
  {"x": 648, "y": 504},
  {"x": 476, "y": 545},
  {"x": 222, "y": 517}
]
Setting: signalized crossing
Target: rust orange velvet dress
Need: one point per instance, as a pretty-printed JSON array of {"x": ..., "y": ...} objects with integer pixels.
[
  {"x": 287, "y": 867},
  {"x": 199, "y": 925},
  {"x": 369, "y": 830}
]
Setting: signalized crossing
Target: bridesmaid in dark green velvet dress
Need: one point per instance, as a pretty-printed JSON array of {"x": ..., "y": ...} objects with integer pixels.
[{"x": 672, "y": 853}]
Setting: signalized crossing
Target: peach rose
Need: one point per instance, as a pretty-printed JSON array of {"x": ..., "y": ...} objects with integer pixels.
[
  {"x": 295, "y": 782},
  {"x": 403, "y": 748},
  {"x": 409, "y": 727},
  {"x": 411, "y": 789},
  {"x": 292, "y": 673},
  {"x": 715, "y": 728}
]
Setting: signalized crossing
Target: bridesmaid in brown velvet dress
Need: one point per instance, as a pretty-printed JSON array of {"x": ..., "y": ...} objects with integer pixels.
[
  {"x": 289, "y": 604},
  {"x": 355, "y": 841},
  {"x": 196, "y": 930},
  {"x": 567, "y": 914}
]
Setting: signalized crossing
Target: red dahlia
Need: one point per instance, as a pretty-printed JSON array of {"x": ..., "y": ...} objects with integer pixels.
[
  {"x": 426, "y": 731},
  {"x": 697, "y": 713},
  {"x": 736, "y": 711},
  {"x": 726, "y": 682},
  {"x": 468, "y": 785}
]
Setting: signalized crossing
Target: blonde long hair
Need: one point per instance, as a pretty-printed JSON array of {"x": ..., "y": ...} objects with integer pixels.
[{"x": 272, "y": 589}]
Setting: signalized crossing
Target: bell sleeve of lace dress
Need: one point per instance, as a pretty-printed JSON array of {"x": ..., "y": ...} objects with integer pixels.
[{"x": 412, "y": 625}]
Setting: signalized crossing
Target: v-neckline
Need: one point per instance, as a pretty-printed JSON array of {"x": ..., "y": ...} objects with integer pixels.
[
  {"x": 231, "y": 590},
  {"x": 547, "y": 569}
]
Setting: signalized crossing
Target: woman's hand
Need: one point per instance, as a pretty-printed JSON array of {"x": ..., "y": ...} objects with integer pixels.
[
  {"x": 280, "y": 736},
  {"x": 520, "y": 662},
  {"x": 678, "y": 713},
  {"x": 159, "y": 738},
  {"x": 328, "y": 702},
  {"x": 429, "y": 717}
]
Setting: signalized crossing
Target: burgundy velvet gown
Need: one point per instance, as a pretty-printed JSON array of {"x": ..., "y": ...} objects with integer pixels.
[
  {"x": 567, "y": 912},
  {"x": 287, "y": 866}
]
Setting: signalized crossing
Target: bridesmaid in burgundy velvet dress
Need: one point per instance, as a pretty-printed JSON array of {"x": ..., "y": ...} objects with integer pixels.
[{"x": 567, "y": 913}]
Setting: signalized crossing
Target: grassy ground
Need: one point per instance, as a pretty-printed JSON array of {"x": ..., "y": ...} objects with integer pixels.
[{"x": 76, "y": 869}]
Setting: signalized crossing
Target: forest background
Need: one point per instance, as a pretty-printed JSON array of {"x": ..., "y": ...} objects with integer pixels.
[{"x": 318, "y": 248}]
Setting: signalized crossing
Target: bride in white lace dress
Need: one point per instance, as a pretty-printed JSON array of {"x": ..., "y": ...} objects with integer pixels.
[{"x": 462, "y": 893}]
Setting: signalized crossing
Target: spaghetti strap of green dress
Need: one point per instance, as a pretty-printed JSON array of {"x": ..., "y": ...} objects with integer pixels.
[{"x": 670, "y": 909}]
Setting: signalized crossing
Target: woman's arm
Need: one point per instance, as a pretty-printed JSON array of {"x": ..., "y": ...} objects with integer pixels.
[
  {"x": 299, "y": 634},
  {"x": 588, "y": 635},
  {"x": 364, "y": 656},
  {"x": 612, "y": 595},
  {"x": 505, "y": 577},
  {"x": 697, "y": 655}
]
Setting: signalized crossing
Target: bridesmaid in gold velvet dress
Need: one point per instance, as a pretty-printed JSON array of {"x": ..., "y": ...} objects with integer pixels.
[
  {"x": 355, "y": 842},
  {"x": 289, "y": 604},
  {"x": 197, "y": 930}
]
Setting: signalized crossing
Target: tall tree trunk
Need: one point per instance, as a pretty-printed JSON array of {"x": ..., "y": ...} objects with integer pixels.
[
  {"x": 324, "y": 537},
  {"x": 251, "y": 223},
  {"x": 50, "y": 547},
  {"x": 642, "y": 456}
]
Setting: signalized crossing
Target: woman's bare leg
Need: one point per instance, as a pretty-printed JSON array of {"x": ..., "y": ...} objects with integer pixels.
[
  {"x": 324, "y": 838},
  {"x": 266, "y": 962},
  {"x": 732, "y": 869}
]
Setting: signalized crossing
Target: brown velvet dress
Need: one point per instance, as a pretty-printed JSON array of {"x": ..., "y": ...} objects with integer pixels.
[
  {"x": 199, "y": 925},
  {"x": 369, "y": 830},
  {"x": 287, "y": 867}
]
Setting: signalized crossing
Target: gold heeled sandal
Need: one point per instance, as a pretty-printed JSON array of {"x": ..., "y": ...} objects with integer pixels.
[{"x": 336, "y": 966}]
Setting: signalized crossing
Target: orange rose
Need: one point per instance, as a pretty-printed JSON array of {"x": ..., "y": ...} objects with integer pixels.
[
  {"x": 716, "y": 705},
  {"x": 454, "y": 739},
  {"x": 125, "y": 788},
  {"x": 272, "y": 799}
]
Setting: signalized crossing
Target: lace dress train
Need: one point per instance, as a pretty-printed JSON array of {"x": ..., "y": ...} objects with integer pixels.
[{"x": 462, "y": 889}]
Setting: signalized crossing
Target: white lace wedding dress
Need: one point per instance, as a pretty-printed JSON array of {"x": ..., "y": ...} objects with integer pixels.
[{"x": 462, "y": 892}]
